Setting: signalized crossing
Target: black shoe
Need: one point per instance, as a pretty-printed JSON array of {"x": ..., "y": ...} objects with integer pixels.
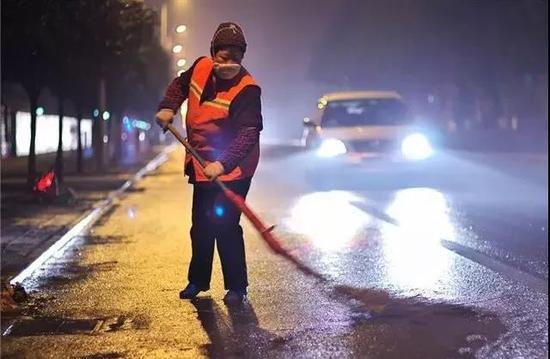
[
  {"x": 235, "y": 297},
  {"x": 190, "y": 291}
]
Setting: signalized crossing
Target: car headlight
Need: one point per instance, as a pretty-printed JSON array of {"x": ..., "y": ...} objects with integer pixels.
[
  {"x": 331, "y": 148},
  {"x": 416, "y": 147}
]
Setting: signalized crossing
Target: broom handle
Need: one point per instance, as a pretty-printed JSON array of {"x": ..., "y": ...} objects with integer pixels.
[
  {"x": 265, "y": 231},
  {"x": 193, "y": 152}
]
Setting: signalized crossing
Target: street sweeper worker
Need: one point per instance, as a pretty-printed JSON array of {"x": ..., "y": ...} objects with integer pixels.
[{"x": 223, "y": 124}]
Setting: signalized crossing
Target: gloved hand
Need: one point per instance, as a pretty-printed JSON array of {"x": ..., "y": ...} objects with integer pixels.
[
  {"x": 213, "y": 170},
  {"x": 164, "y": 117}
]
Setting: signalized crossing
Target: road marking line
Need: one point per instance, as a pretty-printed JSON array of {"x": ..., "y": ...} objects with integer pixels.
[
  {"x": 90, "y": 218},
  {"x": 495, "y": 265},
  {"x": 538, "y": 284},
  {"x": 8, "y": 330}
]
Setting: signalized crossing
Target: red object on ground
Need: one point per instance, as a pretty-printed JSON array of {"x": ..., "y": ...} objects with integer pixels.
[
  {"x": 45, "y": 182},
  {"x": 46, "y": 185}
]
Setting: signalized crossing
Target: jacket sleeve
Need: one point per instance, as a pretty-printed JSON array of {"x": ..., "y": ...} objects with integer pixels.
[{"x": 240, "y": 147}]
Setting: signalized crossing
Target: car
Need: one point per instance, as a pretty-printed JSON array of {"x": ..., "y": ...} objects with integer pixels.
[{"x": 368, "y": 130}]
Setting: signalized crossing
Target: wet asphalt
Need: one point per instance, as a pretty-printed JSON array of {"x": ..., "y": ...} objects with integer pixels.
[{"x": 451, "y": 265}]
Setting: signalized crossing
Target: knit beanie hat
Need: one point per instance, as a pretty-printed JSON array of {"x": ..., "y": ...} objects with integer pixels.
[{"x": 228, "y": 34}]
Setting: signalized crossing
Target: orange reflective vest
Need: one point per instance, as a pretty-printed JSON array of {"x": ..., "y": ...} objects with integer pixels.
[{"x": 208, "y": 128}]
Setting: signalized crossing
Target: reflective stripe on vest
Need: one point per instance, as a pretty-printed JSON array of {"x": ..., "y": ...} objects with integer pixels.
[{"x": 204, "y": 122}]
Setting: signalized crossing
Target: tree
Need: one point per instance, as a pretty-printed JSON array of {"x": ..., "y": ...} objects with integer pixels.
[
  {"x": 74, "y": 47},
  {"x": 81, "y": 71},
  {"x": 119, "y": 38},
  {"x": 139, "y": 70},
  {"x": 60, "y": 58},
  {"x": 24, "y": 27}
]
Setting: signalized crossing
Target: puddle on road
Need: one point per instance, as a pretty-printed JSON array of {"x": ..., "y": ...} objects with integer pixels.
[
  {"x": 427, "y": 329},
  {"x": 101, "y": 240},
  {"x": 379, "y": 326},
  {"x": 109, "y": 355},
  {"x": 64, "y": 270},
  {"x": 134, "y": 189},
  {"x": 59, "y": 274},
  {"x": 66, "y": 267},
  {"x": 66, "y": 326},
  {"x": 50, "y": 326}
]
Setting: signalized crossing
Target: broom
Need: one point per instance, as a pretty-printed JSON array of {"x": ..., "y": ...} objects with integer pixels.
[{"x": 265, "y": 232}]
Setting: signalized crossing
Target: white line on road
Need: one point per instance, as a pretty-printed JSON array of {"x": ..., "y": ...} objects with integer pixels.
[
  {"x": 538, "y": 284},
  {"x": 495, "y": 265},
  {"x": 89, "y": 219}
]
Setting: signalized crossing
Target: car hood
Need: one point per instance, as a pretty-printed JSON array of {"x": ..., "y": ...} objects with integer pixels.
[{"x": 367, "y": 132}]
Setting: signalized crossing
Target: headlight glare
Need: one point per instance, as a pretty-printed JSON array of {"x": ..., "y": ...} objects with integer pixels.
[
  {"x": 331, "y": 148},
  {"x": 416, "y": 147}
]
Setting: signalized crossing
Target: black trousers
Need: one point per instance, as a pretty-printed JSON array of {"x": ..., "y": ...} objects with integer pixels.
[{"x": 216, "y": 220}]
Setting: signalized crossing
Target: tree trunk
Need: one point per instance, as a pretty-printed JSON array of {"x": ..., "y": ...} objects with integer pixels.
[
  {"x": 13, "y": 133},
  {"x": 79, "y": 140},
  {"x": 31, "y": 164},
  {"x": 109, "y": 132},
  {"x": 97, "y": 141},
  {"x": 116, "y": 139},
  {"x": 59, "y": 156},
  {"x": 100, "y": 127},
  {"x": 5, "y": 121}
]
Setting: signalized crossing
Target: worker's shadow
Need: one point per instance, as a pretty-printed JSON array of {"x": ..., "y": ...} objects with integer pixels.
[{"x": 236, "y": 334}]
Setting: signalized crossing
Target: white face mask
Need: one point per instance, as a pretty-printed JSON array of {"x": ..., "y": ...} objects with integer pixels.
[{"x": 226, "y": 71}]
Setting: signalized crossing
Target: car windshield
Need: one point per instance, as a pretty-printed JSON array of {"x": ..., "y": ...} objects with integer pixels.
[{"x": 364, "y": 112}]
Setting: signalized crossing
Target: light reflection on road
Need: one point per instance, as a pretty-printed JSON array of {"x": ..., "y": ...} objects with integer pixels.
[
  {"x": 415, "y": 259},
  {"x": 328, "y": 219},
  {"x": 413, "y": 256}
]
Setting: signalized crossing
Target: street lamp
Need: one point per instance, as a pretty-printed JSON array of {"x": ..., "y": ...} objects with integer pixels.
[
  {"x": 106, "y": 115},
  {"x": 181, "y": 62},
  {"x": 181, "y": 29},
  {"x": 39, "y": 111},
  {"x": 177, "y": 49}
]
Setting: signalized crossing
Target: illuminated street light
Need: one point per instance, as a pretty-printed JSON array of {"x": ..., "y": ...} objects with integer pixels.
[
  {"x": 106, "y": 115},
  {"x": 39, "y": 111},
  {"x": 181, "y": 29},
  {"x": 181, "y": 62},
  {"x": 177, "y": 49},
  {"x": 96, "y": 113}
]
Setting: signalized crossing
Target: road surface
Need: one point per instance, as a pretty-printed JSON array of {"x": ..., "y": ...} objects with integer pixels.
[{"x": 453, "y": 266}]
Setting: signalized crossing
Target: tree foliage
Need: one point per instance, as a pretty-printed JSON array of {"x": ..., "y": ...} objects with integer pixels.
[{"x": 69, "y": 46}]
